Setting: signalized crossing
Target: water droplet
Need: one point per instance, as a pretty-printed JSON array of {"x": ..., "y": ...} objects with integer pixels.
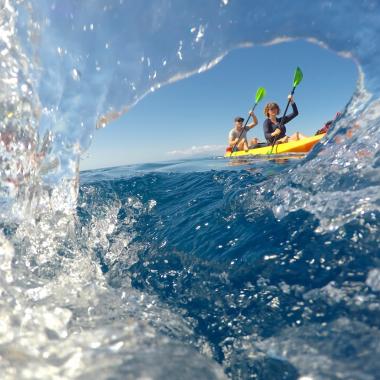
[
  {"x": 75, "y": 74},
  {"x": 200, "y": 34}
]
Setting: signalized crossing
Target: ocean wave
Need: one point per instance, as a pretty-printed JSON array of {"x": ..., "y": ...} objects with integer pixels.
[{"x": 184, "y": 269}]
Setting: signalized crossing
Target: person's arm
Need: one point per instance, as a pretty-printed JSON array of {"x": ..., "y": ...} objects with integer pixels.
[
  {"x": 232, "y": 140},
  {"x": 292, "y": 115},
  {"x": 268, "y": 130},
  {"x": 276, "y": 132},
  {"x": 255, "y": 121}
]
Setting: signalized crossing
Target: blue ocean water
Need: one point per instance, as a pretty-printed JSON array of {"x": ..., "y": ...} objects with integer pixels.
[
  {"x": 270, "y": 298},
  {"x": 208, "y": 268}
]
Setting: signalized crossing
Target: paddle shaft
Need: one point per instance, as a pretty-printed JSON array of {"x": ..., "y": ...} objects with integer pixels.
[
  {"x": 283, "y": 117},
  {"x": 249, "y": 115}
]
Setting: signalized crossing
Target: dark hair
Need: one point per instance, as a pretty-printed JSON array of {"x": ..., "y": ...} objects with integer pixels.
[{"x": 239, "y": 118}]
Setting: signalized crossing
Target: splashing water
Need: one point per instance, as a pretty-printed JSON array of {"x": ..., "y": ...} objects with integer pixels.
[{"x": 124, "y": 282}]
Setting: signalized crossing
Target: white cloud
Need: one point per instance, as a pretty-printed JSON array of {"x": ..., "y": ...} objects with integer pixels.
[{"x": 195, "y": 150}]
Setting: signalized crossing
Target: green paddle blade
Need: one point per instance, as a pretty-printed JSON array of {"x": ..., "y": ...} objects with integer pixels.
[
  {"x": 297, "y": 77},
  {"x": 260, "y": 93}
]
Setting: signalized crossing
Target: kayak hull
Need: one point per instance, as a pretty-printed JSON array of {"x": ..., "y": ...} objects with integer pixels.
[{"x": 300, "y": 146}]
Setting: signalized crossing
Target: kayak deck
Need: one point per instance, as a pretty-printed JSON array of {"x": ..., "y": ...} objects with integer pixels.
[{"x": 300, "y": 146}]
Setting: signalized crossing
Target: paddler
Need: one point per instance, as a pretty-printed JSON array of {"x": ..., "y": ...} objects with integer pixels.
[
  {"x": 274, "y": 127},
  {"x": 238, "y": 135}
]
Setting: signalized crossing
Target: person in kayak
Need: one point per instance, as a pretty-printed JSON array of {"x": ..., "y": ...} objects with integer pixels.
[
  {"x": 274, "y": 127},
  {"x": 327, "y": 125},
  {"x": 238, "y": 135}
]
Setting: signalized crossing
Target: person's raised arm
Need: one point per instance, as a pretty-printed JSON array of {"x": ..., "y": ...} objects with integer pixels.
[
  {"x": 287, "y": 118},
  {"x": 255, "y": 121}
]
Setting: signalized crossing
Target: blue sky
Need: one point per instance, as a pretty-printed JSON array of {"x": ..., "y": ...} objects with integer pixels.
[{"x": 197, "y": 112}]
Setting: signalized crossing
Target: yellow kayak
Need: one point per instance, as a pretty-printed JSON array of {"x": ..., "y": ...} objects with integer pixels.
[{"x": 300, "y": 146}]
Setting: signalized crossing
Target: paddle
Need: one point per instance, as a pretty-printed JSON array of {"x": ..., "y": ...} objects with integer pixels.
[
  {"x": 296, "y": 81},
  {"x": 260, "y": 93}
]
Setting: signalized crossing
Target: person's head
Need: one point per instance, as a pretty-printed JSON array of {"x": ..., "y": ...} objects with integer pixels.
[
  {"x": 271, "y": 109},
  {"x": 255, "y": 140},
  {"x": 239, "y": 122}
]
